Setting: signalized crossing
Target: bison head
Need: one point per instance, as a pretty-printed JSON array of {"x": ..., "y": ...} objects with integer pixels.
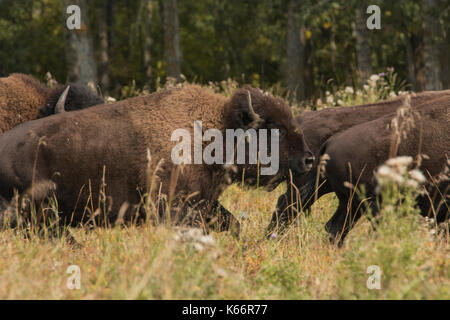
[
  {"x": 70, "y": 98},
  {"x": 250, "y": 109}
]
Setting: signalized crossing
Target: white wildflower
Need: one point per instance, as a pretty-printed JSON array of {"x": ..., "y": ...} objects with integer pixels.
[
  {"x": 195, "y": 237},
  {"x": 417, "y": 175},
  {"x": 402, "y": 161},
  {"x": 319, "y": 102},
  {"x": 429, "y": 220},
  {"x": 395, "y": 171},
  {"x": 412, "y": 183},
  {"x": 198, "y": 247},
  {"x": 207, "y": 240},
  {"x": 330, "y": 100},
  {"x": 243, "y": 215},
  {"x": 383, "y": 170},
  {"x": 110, "y": 100}
]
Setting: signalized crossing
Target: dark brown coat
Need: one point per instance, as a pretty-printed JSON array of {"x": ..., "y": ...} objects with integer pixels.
[
  {"x": 76, "y": 146},
  {"x": 319, "y": 126},
  {"x": 356, "y": 152}
]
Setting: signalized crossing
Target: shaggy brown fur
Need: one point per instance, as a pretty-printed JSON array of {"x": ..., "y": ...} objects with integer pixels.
[
  {"x": 76, "y": 146},
  {"x": 356, "y": 152},
  {"x": 21, "y": 97},
  {"x": 24, "y": 98},
  {"x": 319, "y": 126}
]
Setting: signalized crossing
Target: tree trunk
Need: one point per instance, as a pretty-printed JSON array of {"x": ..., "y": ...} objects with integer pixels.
[
  {"x": 419, "y": 64},
  {"x": 431, "y": 56},
  {"x": 445, "y": 61},
  {"x": 410, "y": 62},
  {"x": 110, "y": 18},
  {"x": 104, "y": 46},
  {"x": 362, "y": 45},
  {"x": 172, "y": 52},
  {"x": 295, "y": 53},
  {"x": 148, "y": 42},
  {"x": 79, "y": 50}
]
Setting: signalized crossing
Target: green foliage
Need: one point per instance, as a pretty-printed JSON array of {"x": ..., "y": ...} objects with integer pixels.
[
  {"x": 378, "y": 87},
  {"x": 239, "y": 40},
  {"x": 32, "y": 38}
]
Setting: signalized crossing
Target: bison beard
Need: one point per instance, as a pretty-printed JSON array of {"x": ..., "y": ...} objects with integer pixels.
[
  {"x": 102, "y": 153},
  {"x": 372, "y": 140}
]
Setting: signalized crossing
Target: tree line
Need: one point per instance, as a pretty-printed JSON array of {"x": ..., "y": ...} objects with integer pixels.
[{"x": 300, "y": 48}]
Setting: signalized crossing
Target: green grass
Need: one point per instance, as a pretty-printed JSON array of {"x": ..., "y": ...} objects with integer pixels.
[{"x": 151, "y": 262}]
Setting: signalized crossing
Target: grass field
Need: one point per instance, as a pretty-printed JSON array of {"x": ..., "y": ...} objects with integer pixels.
[
  {"x": 166, "y": 262},
  {"x": 161, "y": 262}
]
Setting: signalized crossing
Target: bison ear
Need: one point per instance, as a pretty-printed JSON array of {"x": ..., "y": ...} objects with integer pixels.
[{"x": 59, "y": 108}]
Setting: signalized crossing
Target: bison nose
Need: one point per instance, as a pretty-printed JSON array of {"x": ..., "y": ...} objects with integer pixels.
[{"x": 303, "y": 165}]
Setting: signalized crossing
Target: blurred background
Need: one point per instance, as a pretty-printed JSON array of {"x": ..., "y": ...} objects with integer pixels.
[{"x": 300, "y": 49}]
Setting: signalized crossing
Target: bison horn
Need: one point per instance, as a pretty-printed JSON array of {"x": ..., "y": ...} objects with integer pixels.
[
  {"x": 255, "y": 117},
  {"x": 59, "y": 108}
]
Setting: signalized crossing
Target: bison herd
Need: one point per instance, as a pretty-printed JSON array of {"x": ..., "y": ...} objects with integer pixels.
[{"x": 110, "y": 163}]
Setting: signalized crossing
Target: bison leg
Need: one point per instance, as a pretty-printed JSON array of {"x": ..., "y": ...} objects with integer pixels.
[
  {"x": 345, "y": 217},
  {"x": 437, "y": 206},
  {"x": 295, "y": 201},
  {"x": 225, "y": 220},
  {"x": 284, "y": 214}
]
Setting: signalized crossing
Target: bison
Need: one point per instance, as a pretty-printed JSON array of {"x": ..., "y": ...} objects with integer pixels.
[
  {"x": 318, "y": 127},
  {"x": 24, "y": 98},
  {"x": 104, "y": 152},
  {"x": 355, "y": 153}
]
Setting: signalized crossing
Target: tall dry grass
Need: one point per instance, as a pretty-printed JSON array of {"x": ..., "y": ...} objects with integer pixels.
[{"x": 160, "y": 259}]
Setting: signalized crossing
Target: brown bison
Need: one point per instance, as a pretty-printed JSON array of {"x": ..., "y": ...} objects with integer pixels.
[
  {"x": 104, "y": 152},
  {"x": 318, "y": 127},
  {"x": 355, "y": 153},
  {"x": 24, "y": 98}
]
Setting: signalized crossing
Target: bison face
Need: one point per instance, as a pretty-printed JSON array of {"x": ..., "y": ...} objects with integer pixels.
[
  {"x": 70, "y": 98},
  {"x": 285, "y": 147}
]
